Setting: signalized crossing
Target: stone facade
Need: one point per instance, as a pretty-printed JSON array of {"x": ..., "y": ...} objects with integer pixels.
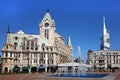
[
  {"x": 104, "y": 59},
  {"x": 46, "y": 49}
]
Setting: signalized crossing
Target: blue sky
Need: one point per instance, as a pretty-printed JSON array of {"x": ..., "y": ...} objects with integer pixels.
[{"x": 81, "y": 19}]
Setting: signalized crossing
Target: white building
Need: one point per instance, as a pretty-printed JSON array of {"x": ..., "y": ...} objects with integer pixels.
[
  {"x": 46, "y": 49},
  {"x": 104, "y": 58}
]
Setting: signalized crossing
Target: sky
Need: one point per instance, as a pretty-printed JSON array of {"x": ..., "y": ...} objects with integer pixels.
[{"x": 81, "y": 19}]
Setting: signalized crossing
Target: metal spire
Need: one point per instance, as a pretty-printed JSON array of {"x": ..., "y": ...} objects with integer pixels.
[
  {"x": 104, "y": 26},
  {"x": 69, "y": 41},
  {"x": 8, "y": 28}
]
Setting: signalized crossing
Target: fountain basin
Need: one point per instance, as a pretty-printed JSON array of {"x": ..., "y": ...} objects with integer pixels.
[{"x": 83, "y": 75}]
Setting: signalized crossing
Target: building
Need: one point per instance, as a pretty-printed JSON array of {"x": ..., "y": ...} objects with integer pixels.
[
  {"x": 45, "y": 50},
  {"x": 104, "y": 58}
]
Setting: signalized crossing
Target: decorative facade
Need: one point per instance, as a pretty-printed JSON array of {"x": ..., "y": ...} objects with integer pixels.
[
  {"x": 104, "y": 58},
  {"x": 47, "y": 49}
]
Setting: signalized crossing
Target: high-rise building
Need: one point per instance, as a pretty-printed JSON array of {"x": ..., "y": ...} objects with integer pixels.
[
  {"x": 105, "y": 40},
  {"x": 45, "y": 50}
]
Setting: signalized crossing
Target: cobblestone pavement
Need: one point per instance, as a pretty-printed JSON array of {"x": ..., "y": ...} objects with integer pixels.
[{"x": 43, "y": 76}]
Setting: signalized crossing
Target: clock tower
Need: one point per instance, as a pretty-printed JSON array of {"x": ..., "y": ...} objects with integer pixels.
[
  {"x": 47, "y": 28},
  {"x": 105, "y": 40}
]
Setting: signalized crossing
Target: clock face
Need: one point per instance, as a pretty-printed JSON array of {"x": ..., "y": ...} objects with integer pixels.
[{"x": 46, "y": 24}]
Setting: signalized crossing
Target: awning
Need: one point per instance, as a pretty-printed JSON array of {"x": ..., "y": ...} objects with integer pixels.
[
  {"x": 33, "y": 67},
  {"x": 42, "y": 67},
  {"x": 16, "y": 69},
  {"x": 25, "y": 68}
]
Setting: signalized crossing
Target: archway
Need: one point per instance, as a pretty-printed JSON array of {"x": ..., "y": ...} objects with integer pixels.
[
  {"x": 41, "y": 68},
  {"x": 6, "y": 69},
  {"x": 16, "y": 69},
  {"x": 25, "y": 69},
  {"x": 33, "y": 69}
]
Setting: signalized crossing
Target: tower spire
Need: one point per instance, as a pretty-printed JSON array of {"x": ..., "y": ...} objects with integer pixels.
[
  {"x": 8, "y": 28},
  {"x": 104, "y": 26},
  {"x": 69, "y": 42},
  {"x": 47, "y": 10},
  {"x": 105, "y": 40}
]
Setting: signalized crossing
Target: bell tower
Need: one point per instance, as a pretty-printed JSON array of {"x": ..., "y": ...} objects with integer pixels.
[{"x": 47, "y": 28}]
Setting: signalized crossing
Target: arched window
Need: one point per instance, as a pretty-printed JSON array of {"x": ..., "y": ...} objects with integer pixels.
[
  {"x": 15, "y": 45},
  {"x": 47, "y": 33}
]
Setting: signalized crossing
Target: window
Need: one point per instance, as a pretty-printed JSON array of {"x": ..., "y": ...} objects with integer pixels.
[
  {"x": 15, "y": 45},
  {"x": 47, "y": 49},
  {"x": 36, "y": 48},
  {"x": 35, "y": 54},
  {"x": 107, "y": 61},
  {"x": 35, "y": 43},
  {"x": 50, "y": 61},
  {"x": 24, "y": 55},
  {"x": 32, "y": 43},
  {"x": 46, "y": 33},
  {"x": 16, "y": 38},
  {"x": 19, "y": 55},
  {"x": 5, "y": 60},
  {"x": 113, "y": 53},
  {"x": 10, "y": 54},
  {"x": 42, "y": 61},
  {"x": 50, "y": 55},
  {"x": 109, "y": 53},
  {"x": 113, "y": 57},
  {"x": 110, "y": 61},
  {"x": 116, "y": 61},
  {"x": 42, "y": 55},
  {"x": 28, "y": 42},
  {"x": 35, "y": 60},
  {"x": 31, "y": 48},
  {"x": 27, "y": 48},
  {"x": 51, "y": 49},
  {"x": 43, "y": 49},
  {"x": 19, "y": 61},
  {"x": 6, "y": 54}
]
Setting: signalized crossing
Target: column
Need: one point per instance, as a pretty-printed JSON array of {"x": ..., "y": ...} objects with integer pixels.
[
  {"x": 3, "y": 54},
  {"x": 54, "y": 59},
  {"x": 38, "y": 59},
  {"x": 8, "y": 54},
  {"x": 46, "y": 58},
  {"x": 30, "y": 45},
  {"x": 25, "y": 44},
  {"x": 31, "y": 59},
  {"x": 34, "y": 45},
  {"x": 21, "y": 60}
]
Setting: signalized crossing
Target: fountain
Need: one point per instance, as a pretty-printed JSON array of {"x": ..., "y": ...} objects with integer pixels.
[{"x": 74, "y": 69}]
